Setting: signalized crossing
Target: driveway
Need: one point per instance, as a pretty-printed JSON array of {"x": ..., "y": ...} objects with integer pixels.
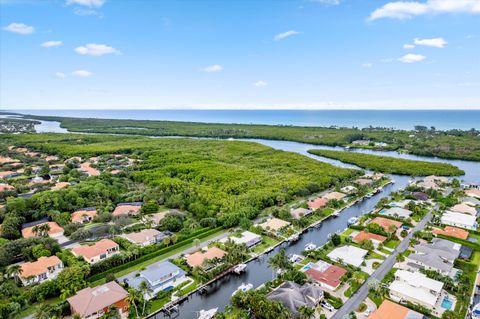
[{"x": 362, "y": 293}]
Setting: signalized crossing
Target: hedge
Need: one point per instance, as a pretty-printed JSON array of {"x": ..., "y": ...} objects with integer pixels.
[{"x": 152, "y": 255}]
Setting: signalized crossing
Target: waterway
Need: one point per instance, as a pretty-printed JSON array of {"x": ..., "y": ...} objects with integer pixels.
[{"x": 258, "y": 272}]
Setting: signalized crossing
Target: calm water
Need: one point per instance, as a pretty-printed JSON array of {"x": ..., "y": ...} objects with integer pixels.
[{"x": 440, "y": 119}]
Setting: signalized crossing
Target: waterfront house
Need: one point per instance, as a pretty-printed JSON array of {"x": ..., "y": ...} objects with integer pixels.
[
  {"x": 459, "y": 220},
  {"x": 334, "y": 195},
  {"x": 36, "y": 230},
  {"x": 390, "y": 310},
  {"x": 274, "y": 225},
  {"x": 327, "y": 275},
  {"x": 45, "y": 268},
  {"x": 465, "y": 209},
  {"x": 363, "y": 235},
  {"x": 348, "y": 189},
  {"x": 161, "y": 276},
  {"x": 248, "y": 238},
  {"x": 396, "y": 212},
  {"x": 385, "y": 223},
  {"x": 300, "y": 212},
  {"x": 84, "y": 215},
  {"x": 204, "y": 258},
  {"x": 439, "y": 255},
  {"x": 416, "y": 288},
  {"x": 145, "y": 237},
  {"x": 317, "y": 203},
  {"x": 101, "y": 250},
  {"x": 130, "y": 209},
  {"x": 452, "y": 232},
  {"x": 363, "y": 181},
  {"x": 293, "y": 296},
  {"x": 348, "y": 254},
  {"x": 473, "y": 193},
  {"x": 92, "y": 303},
  {"x": 471, "y": 201}
]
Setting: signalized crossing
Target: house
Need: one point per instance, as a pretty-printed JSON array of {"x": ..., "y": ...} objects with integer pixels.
[
  {"x": 464, "y": 208},
  {"x": 293, "y": 296},
  {"x": 452, "y": 232},
  {"x": 439, "y": 255},
  {"x": 145, "y": 237},
  {"x": 44, "y": 268},
  {"x": 54, "y": 230},
  {"x": 327, "y": 275},
  {"x": 391, "y": 310},
  {"x": 84, "y": 215},
  {"x": 348, "y": 189},
  {"x": 386, "y": 223},
  {"x": 60, "y": 185},
  {"x": 92, "y": 303},
  {"x": 374, "y": 176},
  {"x": 420, "y": 196},
  {"x": 8, "y": 174},
  {"x": 428, "y": 185},
  {"x": 459, "y": 220},
  {"x": 7, "y": 160},
  {"x": 362, "y": 142},
  {"x": 202, "y": 258},
  {"x": 161, "y": 276},
  {"x": 317, "y": 203},
  {"x": 300, "y": 212},
  {"x": 436, "y": 179},
  {"x": 471, "y": 201},
  {"x": 248, "y": 238},
  {"x": 348, "y": 254},
  {"x": 130, "y": 209},
  {"x": 396, "y": 212},
  {"x": 416, "y": 288},
  {"x": 274, "y": 225},
  {"x": 363, "y": 181},
  {"x": 473, "y": 193},
  {"x": 87, "y": 169},
  {"x": 402, "y": 204},
  {"x": 51, "y": 158},
  {"x": 335, "y": 195},
  {"x": 157, "y": 217},
  {"x": 100, "y": 250},
  {"x": 5, "y": 187},
  {"x": 56, "y": 168},
  {"x": 363, "y": 235}
]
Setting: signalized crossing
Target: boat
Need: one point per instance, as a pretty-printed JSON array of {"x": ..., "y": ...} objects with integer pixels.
[
  {"x": 476, "y": 311},
  {"x": 336, "y": 214},
  {"x": 369, "y": 195},
  {"x": 352, "y": 220},
  {"x": 207, "y": 314},
  {"x": 243, "y": 288},
  {"x": 293, "y": 237},
  {"x": 310, "y": 246},
  {"x": 294, "y": 258},
  {"x": 239, "y": 268}
]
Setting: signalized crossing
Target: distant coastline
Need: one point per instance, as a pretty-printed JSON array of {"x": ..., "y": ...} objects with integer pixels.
[{"x": 397, "y": 119}]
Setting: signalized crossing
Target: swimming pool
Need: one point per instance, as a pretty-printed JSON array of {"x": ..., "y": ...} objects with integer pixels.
[
  {"x": 447, "y": 303},
  {"x": 307, "y": 266}
]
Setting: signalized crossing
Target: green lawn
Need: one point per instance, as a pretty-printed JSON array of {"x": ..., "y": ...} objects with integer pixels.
[
  {"x": 266, "y": 242},
  {"x": 30, "y": 310},
  {"x": 392, "y": 243}
]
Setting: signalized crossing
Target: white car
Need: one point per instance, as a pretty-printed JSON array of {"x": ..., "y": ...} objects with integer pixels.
[
  {"x": 367, "y": 312},
  {"x": 327, "y": 306}
]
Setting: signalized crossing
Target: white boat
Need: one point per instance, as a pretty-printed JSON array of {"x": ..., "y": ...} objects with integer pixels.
[
  {"x": 243, "y": 288},
  {"x": 294, "y": 237},
  {"x": 239, "y": 268},
  {"x": 336, "y": 214},
  {"x": 294, "y": 258},
  {"x": 352, "y": 220},
  {"x": 310, "y": 246},
  {"x": 207, "y": 314},
  {"x": 369, "y": 195},
  {"x": 476, "y": 311}
]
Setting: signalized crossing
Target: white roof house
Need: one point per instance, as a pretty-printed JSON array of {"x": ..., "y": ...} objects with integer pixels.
[
  {"x": 397, "y": 211},
  {"x": 416, "y": 288},
  {"x": 459, "y": 220},
  {"x": 348, "y": 189},
  {"x": 348, "y": 254},
  {"x": 248, "y": 238}
]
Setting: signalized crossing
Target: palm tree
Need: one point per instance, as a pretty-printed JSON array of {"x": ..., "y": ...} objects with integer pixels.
[
  {"x": 196, "y": 242},
  {"x": 306, "y": 312},
  {"x": 166, "y": 241},
  {"x": 279, "y": 261},
  {"x": 132, "y": 300},
  {"x": 35, "y": 230},
  {"x": 145, "y": 290},
  {"x": 14, "y": 271}
]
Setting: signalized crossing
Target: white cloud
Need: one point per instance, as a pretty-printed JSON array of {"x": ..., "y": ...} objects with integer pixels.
[
  {"x": 19, "y": 28},
  {"x": 410, "y": 9},
  {"x": 51, "y": 44},
  {"x": 410, "y": 58},
  {"x": 81, "y": 73},
  {"x": 94, "y": 49},
  {"x": 60, "y": 75},
  {"x": 284, "y": 35},
  {"x": 87, "y": 3},
  {"x": 435, "y": 42},
  {"x": 408, "y": 46},
  {"x": 260, "y": 84},
  {"x": 213, "y": 68},
  {"x": 367, "y": 65}
]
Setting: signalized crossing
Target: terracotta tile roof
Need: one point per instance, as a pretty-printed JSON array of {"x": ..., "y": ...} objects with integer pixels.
[
  {"x": 94, "y": 250},
  {"x": 92, "y": 300},
  {"x": 127, "y": 209},
  {"x": 6, "y": 187},
  {"x": 385, "y": 222},
  {"x": 317, "y": 203},
  {"x": 142, "y": 236},
  {"x": 89, "y": 170},
  {"x": 331, "y": 276},
  {"x": 39, "y": 267},
  {"x": 363, "y": 235},
  {"x": 391, "y": 310},
  {"x": 363, "y": 181},
  {"x": 77, "y": 216},
  {"x": 51, "y": 158},
  {"x": 196, "y": 259},
  {"x": 6, "y": 173},
  {"x": 334, "y": 195},
  {"x": 274, "y": 224},
  {"x": 452, "y": 231},
  {"x": 473, "y": 192},
  {"x": 60, "y": 185},
  {"x": 8, "y": 160},
  {"x": 54, "y": 229}
]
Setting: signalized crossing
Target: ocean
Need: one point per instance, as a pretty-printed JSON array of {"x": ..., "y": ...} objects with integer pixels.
[{"x": 398, "y": 119}]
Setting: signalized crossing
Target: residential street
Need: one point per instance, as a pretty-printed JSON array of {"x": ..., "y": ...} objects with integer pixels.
[{"x": 362, "y": 293}]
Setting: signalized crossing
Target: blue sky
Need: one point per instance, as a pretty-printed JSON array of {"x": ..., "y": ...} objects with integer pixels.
[{"x": 298, "y": 54}]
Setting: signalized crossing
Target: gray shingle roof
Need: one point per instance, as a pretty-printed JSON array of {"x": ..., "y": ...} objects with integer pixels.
[{"x": 293, "y": 296}]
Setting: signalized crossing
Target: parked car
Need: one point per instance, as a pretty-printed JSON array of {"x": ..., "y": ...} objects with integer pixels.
[{"x": 327, "y": 306}]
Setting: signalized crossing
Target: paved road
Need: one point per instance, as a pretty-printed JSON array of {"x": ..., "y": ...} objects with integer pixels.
[{"x": 356, "y": 299}]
